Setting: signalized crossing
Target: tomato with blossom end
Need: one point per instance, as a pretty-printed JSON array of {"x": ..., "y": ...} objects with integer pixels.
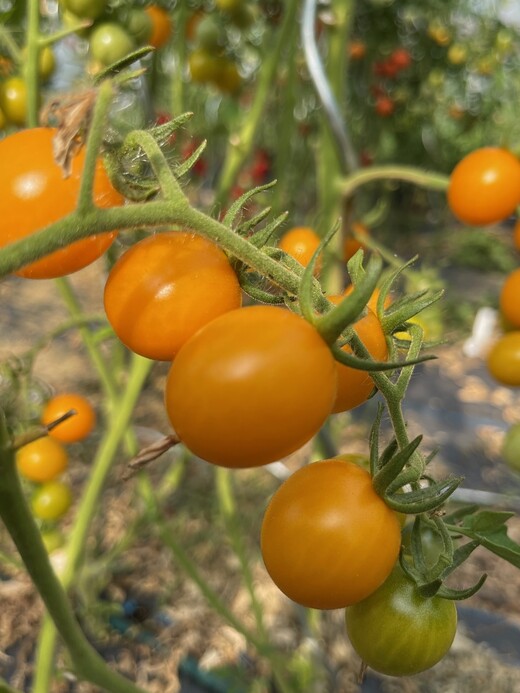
[
  {"x": 36, "y": 193},
  {"x": 503, "y": 359},
  {"x": 76, "y": 427},
  {"x": 165, "y": 288},
  {"x": 51, "y": 500},
  {"x": 484, "y": 187},
  {"x": 398, "y": 632},
  {"x": 42, "y": 459},
  {"x": 327, "y": 539},
  {"x": 251, "y": 387},
  {"x": 510, "y": 298}
]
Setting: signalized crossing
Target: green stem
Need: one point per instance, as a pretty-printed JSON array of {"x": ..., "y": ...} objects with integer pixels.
[
  {"x": 109, "y": 445},
  {"x": 170, "y": 188},
  {"x": 242, "y": 142},
  {"x": 31, "y": 67},
  {"x": 17, "y": 517},
  {"x": 410, "y": 174},
  {"x": 93, "y": 147}
]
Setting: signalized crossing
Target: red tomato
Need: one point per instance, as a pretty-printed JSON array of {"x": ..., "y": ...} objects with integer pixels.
[
  {"x": 77, "y": 426},
  {"x": 401, "y": 58},
  {"x": 385, "y": 106},
  {"x": 165, "y": 288},
  {"x": 328, "y": 540},
  {"x": 251, "y": 387},
  {"x": 35, "y": 193},
  {"x": 42, "y": 460},
  {"x": 484, "y": 187}
]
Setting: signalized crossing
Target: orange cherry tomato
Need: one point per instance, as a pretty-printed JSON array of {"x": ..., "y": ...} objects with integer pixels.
[
  {"x": 77, "y": 426},
  {"x": 354, "y": 385},
  {"x": 42, "y": 460},
  {"x": 328, "y": 540},
  {"x": 300, "y": 242},
  {"x": 166, "y": 287},
  {"x": 484, "y": 186},
  {"x": 35, "y": 193},
  {"x": 251, "y": 387},
  {"x": 510, "y": 298},
  {"x": 162, "y": 26},
  {"x": 503, "y": 359}
]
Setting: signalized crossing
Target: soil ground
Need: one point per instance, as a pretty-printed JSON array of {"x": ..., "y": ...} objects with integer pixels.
[{"x": 168, "y": 624}]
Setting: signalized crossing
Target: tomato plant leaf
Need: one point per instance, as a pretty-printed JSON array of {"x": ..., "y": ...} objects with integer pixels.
[{"x": 487, "y": 520}]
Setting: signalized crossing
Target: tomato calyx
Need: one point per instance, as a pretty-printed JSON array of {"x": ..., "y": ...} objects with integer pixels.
[{"x": 429, "y": 576}]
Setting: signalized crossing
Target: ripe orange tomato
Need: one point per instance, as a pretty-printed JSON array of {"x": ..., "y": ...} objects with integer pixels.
[
  {"x": 503, "y": 360},
  {"x": 51, "y": 500},
  {"x": 351, "y": 244},
  {"x": 42, "y": 460},
  {"x": 357, "y": 50},
  {"x": 354, "y": 385},
  {"x": 384, "y": 106},
  {"x": 162, "y": 26},
  {"x": 251, "y": 387},
  {"x": 484, "y": 186},
  {"x": 328, "y": 540},
  {"x": 166, "y": 287},
  {"x": 510, "y": 298},
  {"x": 76, "y": 427},
  {"x": 35, "y": 193},
  {"x": 300, "y": 242}
]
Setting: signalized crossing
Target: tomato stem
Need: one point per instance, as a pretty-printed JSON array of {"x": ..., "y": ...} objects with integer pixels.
[
  {"x": 410, "y": 174},
  {"x": 20, "y": 524},
  {"x": 31, "y": 67}
]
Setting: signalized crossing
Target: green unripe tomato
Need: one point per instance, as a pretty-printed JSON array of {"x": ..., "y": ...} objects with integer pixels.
[
  {"x": 139, "y": 25},
  {"x": 207, "y": 34},
  {"x": 46, "y": 61},
  {"x": 51, "y": 500},
  {"x": 13, "y": 100},
  {"x": 229, "y": 5},
  {"x": 109, "y": 42},
  {"x": 85, "y": 9},
  {"x": 53, "y": 539},
  {"x": 398, "y": 632},
  {"x": 511, "y": 447}
]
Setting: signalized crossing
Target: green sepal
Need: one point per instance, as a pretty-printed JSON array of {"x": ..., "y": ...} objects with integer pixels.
[
  {"x": 261, "y": 237},
  {"x": 367, "y": 364},
  {"x": 237, "y": 205},
  {"x": 401, "y": 311},
  {"x": 245, "y": 228},
  {"x": 122, "y": 64},
  {"x": 388, "y": 474},
  {"x": 422, "y": 500},
  {"x": 186, "y": 165},
  {"x": 132, "y": 187},
  {"x": 305, "y": 289},
  {"x": 247, "y": 282},
  {"x": 331, "y": 324},
  {"x": 162, "y": 133},
  {"x": 459, "y": 595}
]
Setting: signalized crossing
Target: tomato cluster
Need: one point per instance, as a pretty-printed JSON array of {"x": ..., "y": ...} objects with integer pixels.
[{"x": 44, "y": 460}]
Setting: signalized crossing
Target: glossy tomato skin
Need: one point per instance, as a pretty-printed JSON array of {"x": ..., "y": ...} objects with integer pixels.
[
  {"x": 354, "y": 385},
  {"x": 510, "y": 298},
  {"x": 484, "y": 187},
  {"x": 328, "y": 540},
  {"x": 78, "y": 426},
  {"x": 166, "y": 287},
  {"x": 503, "y": 359},
  {"x": 35, "y": 193},
  {"x": 251, "y": 387},
  {"x": 42, "y": 460},
  {"x": 300, "y": 242},
  {"x": 110, "y": 42},
  {"x": 51, "y": 500},
  {"x": 13, "y": 100},
  {"x": 398, "y": 632}
]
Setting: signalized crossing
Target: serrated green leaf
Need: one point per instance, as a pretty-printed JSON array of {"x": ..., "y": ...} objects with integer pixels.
[{"x": 487, "y": 520}]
